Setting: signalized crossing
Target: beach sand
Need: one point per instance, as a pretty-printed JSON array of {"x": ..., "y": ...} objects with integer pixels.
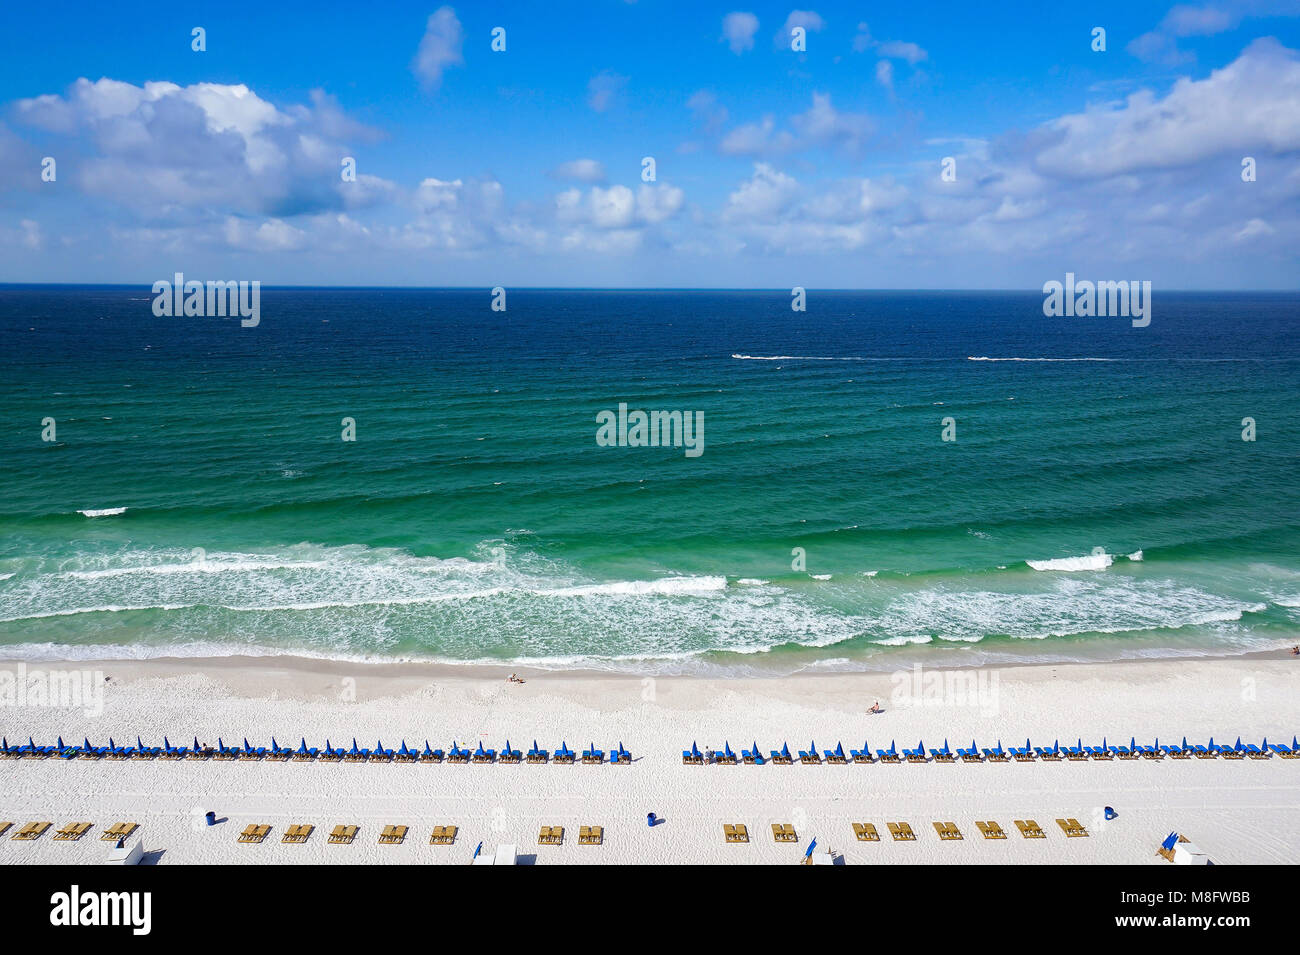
[{"x": 1241, "y": 811}]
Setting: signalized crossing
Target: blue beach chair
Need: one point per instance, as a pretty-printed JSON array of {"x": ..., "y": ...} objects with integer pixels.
[
  {"x": 809, "y": 757},
  {"x": 428, "y": 755},
  {"x": 836, "y": 756},
  {"x": 753, "y": 756},
  {"x": 862, "y": 755},
  {"x": 536, "y": 755},
  {"x": 693, "y": 756},
  {"x": 782, "y": 757},
  {"x": 592, "y": 756},
  {"x": 567, "y": 757},
  {"x": 304, "y": 753},
  {"x": 889, "y": 755},
  {"x": 620, "y": 756}
]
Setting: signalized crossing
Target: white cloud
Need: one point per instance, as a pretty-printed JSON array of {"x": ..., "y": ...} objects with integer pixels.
[
  {"x": 885, "y": 74},
  {"x": 901, "y": 50},
  {"x": 810, "y": 20},
  {"x": 1252, "y": 102},
  {"x": 440, "y": 48},
  {"x": 580, "y": 170},
  {"x": 822, "y": 126},
  {"x": 604, "y": 89},
  {"x": 738, "y": 30}
]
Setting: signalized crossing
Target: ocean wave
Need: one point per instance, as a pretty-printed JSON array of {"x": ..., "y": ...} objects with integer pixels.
[
  {"x": 986, "y": 358},
  {"x": 1090, "y": 562},
  {"x": 820, "y": 358},
  {"x": 103, "y": 512}
]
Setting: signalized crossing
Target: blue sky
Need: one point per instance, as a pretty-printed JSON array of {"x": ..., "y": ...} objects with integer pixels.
[{"x": 774, "y": 168}]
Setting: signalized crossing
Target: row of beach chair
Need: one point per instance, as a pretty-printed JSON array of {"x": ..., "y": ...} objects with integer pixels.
[
  {"x": 71, "y": 832},
  {"x": 618, "y": 756},
  {"x": 394, "y": 835},
  {"x": 903, "y": 831},
  {"x": 973, "y": 754}
]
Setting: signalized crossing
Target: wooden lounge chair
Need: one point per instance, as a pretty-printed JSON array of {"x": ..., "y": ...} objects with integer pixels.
[
  {"x": 916, "y": 756},
  {"x": 343, "y": 835},
  {"x": 941, "y": 757},
  {"x": 902, "y": 832},
  {"x": 254, "y": 833},
  {"x": 1030, "y": 829},
  {"x": 990, "y": 830},
  {"x": 5, "y": 827},
  {"x": 784, "y": 832},
  {"x": 591, "y": 835},
  {"x": 298, "y": 834},
  {"x": 1169, "y": 853},
  {"x": 72, "y": 831},
  {"x": 443, "y": 836},
  {"x": 118, "y": 830},
  {"x": 392, "y": 835},
  {"x": 33, "y": 830},
  {"x": 736, "y": 833},
  {"x": 1072, "y": 828},
  {"x": 947, "y": 831},
  {"x": 551, "y": 836},
  {"x": 866, "y": 832}
]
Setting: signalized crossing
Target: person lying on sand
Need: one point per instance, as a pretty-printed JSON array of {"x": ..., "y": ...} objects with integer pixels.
[
  {"x": 1295, "y": 651},
  {"x": 875, "y": 708},
  {"x": 515, "y": 679}
]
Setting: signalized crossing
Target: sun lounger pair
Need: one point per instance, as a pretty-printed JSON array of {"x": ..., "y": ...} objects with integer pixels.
[
  {"x": 916, "y": 755},
  {"x": 298, "y": 834},
  {"x": 736, "y": 833},
  {"x": 72, "y": 832},
  {"x": 970, "y": 754},
  {"x": 343, "y": 835},
  {"x": 782, "y": 756},
  {"x": 536, "y": 755},
  {"x": 254, "y": 833},
  {"x": 511, "y": 756},
  {"x": 392, "y": 835},
  {"x": 620, "y": 756},
  {"x": 1030, "y": 829},
  {"x": 862, "y": 755},
  {"x": 567, "y": 757},
  {"x": 727, "y": 757},
  {"x": 990, "y": 830},
  {"x": 947, "y": 831},
  {"x": 889, "y": 755},
  {"x": 482, "y": 755},
  {"x": 1050, "y": 754},
  {"x": 901, "y": 831},
  {"x": 752, "y": 757},
  {"x": 443, "y": 836},
  {"x": 551, "y": 836},
  {"x": 119, "y": 830},
  {"x": 998, "y": 755},
  {"x": 591, "y": 835},
  {"x": 809, "y": 756},
  {"x": 595, "y": 757},
  {"x": 866, "y": 832},
  {"x": 783, "y": 832},
  {"x": 430, "y": 755},
  {"x": 1072, "y": 828},
  {"x": 31, "y": 831}
]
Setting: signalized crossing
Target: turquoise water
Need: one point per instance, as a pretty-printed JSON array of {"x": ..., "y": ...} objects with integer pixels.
[{"x": 1088, "y": 509}]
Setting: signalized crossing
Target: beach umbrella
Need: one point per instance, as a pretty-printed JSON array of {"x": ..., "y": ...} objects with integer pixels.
[
  {"x": 1238, "y": 748},
  {"x": 1184, "y": 744},
  {"x": 785, "y": 750},
  {"x": 477, "y": 849},
  {"x": 1056, "y": 746},
  {"x": 85, "y": 743},
  {"x": 839, "y": 749},
  {"x": 60, "y": 742},
  {"x": 1157, "y": 743},
  {"x": 246, "y": 746},
  {"x": 1027, "y": 746},
  {"x": 1294, "y": 745},
  {"x": 196, "y": 744},
  {"x": 754, "y": 750},
  {"x": 999, "y": 749},
  {"x": 534, "y": 745},
  {"x": 1170, "y": 841},
  {"x": 1212, "y": 746},
  {"x": 1264, "y": 745},
  {"x": 811, "y": 846}
]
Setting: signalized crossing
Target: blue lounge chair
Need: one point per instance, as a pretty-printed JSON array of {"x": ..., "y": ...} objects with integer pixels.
[
  {"x": 305, "y": 754},
  {"x": 782, "y": 757},
  {"x": 430, "y": 755},
  {"x": 279, "y": 753},
  {"x": 65, "y": 752},
  {"x": 357, "y": 754},
  {"x": 693, "y": 756},
  {"x": 592, "y": 756},
  {"x": 1286, "y": 752},
  {"x": 405, "y": 755},
  {"x": 809, "y": 756},
  {"x": 753, "y": 756},
  {"x": 510, "y": 755},
  {"x": 836, "y": 756},
  {"x": 252, "y": 752},
  {"x": 862, "y": 755},
  {"x": 119, "y": 752},
  {"x": 567, "y": 756},
  {"x": 1257, "y": 752},
  {"x": 32, "y": 751},
  {"x": 971, "y": 754},
  {"x": 381, "y": 755},
  {"x": 916, "y": 755},
  {"x": 92, "y": 752},
  {"x": 331, "y": 753},
  {"x": 536, "y": 755},
  {"x": 458, "y": 754},
  {"x": 889, "y": 755},
  {"x": 944, "y": 755},
  {"x": 7, "y": 751},
  {"x": 174, "y": 752},
  {"x": 620, "y": 756},
  {"x": 998, "y": 755}
]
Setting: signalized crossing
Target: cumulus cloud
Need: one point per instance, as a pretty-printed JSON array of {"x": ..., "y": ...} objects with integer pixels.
[
  {"x": 1252, "y": 102},
  {"x": 169, "y": 150},
  {"x": 738, "y": 30},
  {"x": 440, "y": 48}
]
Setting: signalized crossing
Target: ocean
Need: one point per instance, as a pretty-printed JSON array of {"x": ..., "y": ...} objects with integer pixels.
[{"x": 194, "y": 495}]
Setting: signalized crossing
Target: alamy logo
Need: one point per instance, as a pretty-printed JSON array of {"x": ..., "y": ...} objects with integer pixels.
[
  {"x": 103, "y": 908},
  {"x": 1122, "y": 299},
  {"x": 653, "y": 429},
  {"x": 72, "y": 689},
  {"x": 212, "y": 300}
]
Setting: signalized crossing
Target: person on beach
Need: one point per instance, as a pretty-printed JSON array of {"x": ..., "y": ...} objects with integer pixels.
[
  {"x": 1295, "y": 651},
  {"x": 515, "y": 679},
  {"x": 875, "y": 707}
]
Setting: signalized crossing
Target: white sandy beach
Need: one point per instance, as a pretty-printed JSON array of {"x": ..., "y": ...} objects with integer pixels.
[{"x": 1240, "y": 812}]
